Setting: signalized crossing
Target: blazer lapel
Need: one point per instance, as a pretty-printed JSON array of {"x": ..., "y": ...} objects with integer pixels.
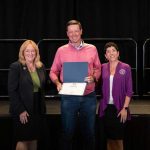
[
  {"x": 40, "y": 74},
  {"x": 26, "y": 73}
]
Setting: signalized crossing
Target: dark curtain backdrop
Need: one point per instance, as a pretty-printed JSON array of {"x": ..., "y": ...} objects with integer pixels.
[
  {"x": 37, "y": 19},
  {"x": 46, "y": 19}
]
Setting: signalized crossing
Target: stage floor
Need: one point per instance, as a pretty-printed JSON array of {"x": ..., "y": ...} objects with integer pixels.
[{"x": 137, "y": 107}]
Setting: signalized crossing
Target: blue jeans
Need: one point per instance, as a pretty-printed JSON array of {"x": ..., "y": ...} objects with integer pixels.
[{"x": 82, "y": 108}]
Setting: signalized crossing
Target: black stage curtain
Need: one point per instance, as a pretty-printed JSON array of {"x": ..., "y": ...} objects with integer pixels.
[{"x": 38, "y": 19}]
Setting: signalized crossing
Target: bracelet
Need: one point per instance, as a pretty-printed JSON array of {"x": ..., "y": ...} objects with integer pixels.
[{"x": 126, "y": 108}]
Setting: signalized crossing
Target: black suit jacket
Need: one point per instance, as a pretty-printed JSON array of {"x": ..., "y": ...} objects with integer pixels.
[{"x": 20, "y": 89}]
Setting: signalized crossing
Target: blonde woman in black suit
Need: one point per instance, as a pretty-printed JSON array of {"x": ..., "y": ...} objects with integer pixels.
[{"x": 26, "y": 82}]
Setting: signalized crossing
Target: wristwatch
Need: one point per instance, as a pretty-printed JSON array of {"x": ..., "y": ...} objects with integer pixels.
[{"x": 126, "y": 108}]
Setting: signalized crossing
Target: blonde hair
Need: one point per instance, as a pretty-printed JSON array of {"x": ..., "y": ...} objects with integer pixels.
[{"x": 22, "y": 60}]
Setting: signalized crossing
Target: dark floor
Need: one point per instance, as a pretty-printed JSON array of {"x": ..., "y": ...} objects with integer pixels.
[{"x": 137, "y": 131}]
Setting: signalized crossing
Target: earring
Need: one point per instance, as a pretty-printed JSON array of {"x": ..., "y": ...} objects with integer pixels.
[{"x": 106, "y": 59}]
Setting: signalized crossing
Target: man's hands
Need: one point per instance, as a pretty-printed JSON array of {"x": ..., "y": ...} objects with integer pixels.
[{"x": 90, "y": 79}]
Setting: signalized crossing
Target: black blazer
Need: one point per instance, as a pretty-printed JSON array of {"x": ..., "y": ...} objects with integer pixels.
[{"x": 20, "y": 89}]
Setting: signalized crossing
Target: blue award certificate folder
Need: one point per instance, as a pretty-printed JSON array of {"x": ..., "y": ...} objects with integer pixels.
[{"x": 74, "y": 74}]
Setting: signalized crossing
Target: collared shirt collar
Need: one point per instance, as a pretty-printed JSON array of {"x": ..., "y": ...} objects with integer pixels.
[{"x": 78, "y": 47}]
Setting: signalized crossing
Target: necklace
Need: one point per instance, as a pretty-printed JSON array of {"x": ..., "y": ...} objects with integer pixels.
[{"x": 31, "y": 67}]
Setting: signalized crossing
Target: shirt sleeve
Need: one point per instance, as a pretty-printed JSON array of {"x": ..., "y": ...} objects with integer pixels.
[
  {"x": 97, "y": 66},
  {"x": 16, "y": 106},
  {"x": 56, "y": 67},
  {"x": 129, "y": 90}
]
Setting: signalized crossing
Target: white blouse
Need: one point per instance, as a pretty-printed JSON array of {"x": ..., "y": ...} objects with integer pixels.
[{"x": 111, "y": 100}]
